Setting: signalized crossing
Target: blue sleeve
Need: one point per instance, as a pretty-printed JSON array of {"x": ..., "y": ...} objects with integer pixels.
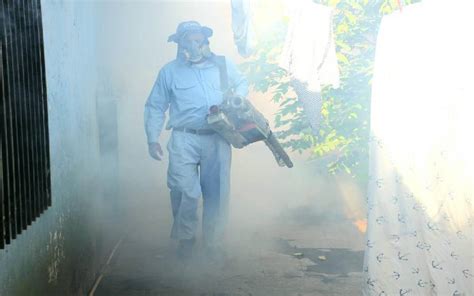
[
  {"x": 155, "y": 108},
  {"x": 237, "y": 81}
]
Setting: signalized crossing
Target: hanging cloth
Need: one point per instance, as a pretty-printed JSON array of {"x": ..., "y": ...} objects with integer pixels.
[
  {"x": 311, "y": 102},
  {"x": 421, "y": 186},
  {"x": 309, "y": 52},
  {"x": 243, "y": 27},
  {"x": 309, "y": 55}
]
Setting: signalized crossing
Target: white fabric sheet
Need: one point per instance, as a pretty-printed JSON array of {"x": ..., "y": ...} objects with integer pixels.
[{"x": 420, "y": 200}]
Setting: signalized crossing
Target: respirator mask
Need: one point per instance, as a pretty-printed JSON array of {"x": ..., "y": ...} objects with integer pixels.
[{"x": 195, "y": 50}]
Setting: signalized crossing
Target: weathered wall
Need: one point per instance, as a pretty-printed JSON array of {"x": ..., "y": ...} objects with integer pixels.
[{"x": 62, "y": 251}]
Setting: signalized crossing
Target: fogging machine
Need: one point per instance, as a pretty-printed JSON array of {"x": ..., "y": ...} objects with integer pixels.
[{"x": 237, "y": 120}]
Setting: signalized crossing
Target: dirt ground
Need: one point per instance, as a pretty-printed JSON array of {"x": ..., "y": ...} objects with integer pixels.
[{"x": 301, "y": 254}]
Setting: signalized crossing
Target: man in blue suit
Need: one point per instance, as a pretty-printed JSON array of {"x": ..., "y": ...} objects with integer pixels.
[{"x": 199, "y": 159}]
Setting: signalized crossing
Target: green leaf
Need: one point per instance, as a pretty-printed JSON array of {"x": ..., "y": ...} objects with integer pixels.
[{"x": 342, "y": 58}]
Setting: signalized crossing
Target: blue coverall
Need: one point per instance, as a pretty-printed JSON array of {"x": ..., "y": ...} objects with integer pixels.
[{"x": 198, "y": 164}]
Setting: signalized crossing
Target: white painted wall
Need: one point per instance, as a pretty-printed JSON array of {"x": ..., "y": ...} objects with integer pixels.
[{"x": 61, "y": 251}]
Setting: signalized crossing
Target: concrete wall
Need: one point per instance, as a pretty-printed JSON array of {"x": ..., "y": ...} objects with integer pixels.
[{"x": 62, "y": 251}]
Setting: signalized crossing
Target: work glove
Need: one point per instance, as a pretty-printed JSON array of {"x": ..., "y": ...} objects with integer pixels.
[{"x": 155, "y": 151}]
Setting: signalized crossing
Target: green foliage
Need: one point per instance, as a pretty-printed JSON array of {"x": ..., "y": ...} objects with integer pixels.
[{"x": 342, "y": 143}]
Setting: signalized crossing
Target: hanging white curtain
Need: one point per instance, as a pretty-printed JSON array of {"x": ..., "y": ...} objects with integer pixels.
[{"x": 420, "y": 201}]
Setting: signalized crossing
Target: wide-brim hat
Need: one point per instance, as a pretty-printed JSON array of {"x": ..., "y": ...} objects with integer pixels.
[{"x": 189, "y": 27}]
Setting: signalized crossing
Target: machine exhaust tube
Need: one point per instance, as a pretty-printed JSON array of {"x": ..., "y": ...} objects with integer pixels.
[{"x": 279, "y": 153}]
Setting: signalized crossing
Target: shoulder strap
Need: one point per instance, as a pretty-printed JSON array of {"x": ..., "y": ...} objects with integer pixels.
[{"x": 224, "y": 78}]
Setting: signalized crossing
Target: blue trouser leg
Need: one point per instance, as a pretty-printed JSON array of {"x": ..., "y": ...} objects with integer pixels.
[
  {"x": 215, "y": 184},
  {"x": 183, "y": 182},
  {"x": 212, "y": 155},
  {"x": 175, "y": 201}
]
